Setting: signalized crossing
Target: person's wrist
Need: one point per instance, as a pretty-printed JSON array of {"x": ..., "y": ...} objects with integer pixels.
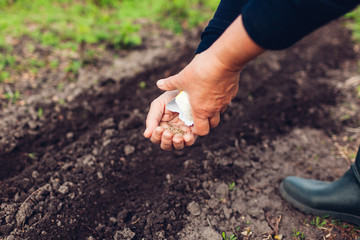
[
  {"x": 234, "y": 49},
  {"x": 227, "y": 64}
]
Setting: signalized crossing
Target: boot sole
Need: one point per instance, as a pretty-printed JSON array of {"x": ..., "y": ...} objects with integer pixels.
[{"x": 304, "y": 208}]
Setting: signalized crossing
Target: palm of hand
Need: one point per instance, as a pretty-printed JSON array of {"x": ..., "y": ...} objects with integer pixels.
[
  {"x": 171, "y": 121},
  {"x": 172, "y": 132}
]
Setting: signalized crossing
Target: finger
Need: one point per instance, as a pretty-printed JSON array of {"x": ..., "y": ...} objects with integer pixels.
[
  {"x": 215, "y": 120},
  {"x": 189, "y": 139},
  {"x": 153, "y": 118},
  {"x": 165, "y": 125},
  {"x": 168, "y": 115},
  {"x": 201, "y": 126},
  {"x": 178, "y": 141},
  {"x": 170, "y": 83},
  {"x": 166, "y": 140},
  {"x": 157, "y": 134},
  {"x": 184, "y": 128}
]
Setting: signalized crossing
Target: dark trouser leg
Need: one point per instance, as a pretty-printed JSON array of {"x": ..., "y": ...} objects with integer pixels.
[{"x": 339, "y": 199}]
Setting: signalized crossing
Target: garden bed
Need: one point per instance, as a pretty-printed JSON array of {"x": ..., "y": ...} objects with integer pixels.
[{"x": 81, "y": 169}]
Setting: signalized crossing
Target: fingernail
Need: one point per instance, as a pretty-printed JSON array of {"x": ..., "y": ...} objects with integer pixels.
[
  {"x": 160, "y": 83},
  {"x": 168, "y": 136},
  {"x": 186, "y": 138}
]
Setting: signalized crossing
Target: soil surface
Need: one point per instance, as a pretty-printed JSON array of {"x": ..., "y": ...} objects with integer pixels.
[{"x": 83, "y": 170}]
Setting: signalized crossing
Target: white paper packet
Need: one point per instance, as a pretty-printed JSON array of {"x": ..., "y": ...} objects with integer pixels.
[{"x": 181, "y": 105}]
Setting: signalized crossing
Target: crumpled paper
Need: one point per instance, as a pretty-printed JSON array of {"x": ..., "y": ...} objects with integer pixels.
[{"x": 181, "y": 105}]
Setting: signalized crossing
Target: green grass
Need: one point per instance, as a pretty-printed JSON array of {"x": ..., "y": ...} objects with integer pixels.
[
  {"x": 6, "y": 60},
  {"x": 12, "y": 97},
  {"x": 32, "y": 155},
  {"x": 232, "y": 186},
  {"x": 74, "y": 67},
  {"x": 40, "y": 112},
  {"x": 4, "y": 76},
  {"x": 142, "y": 85},
  {"x": 225, "y": 237},
  {"x": 67, "y": 23},
  {"x": 79, "y": 31},
  {"x": 54, "y": 63},
  {"x": 319, "y": 221},
  {"x": 298, "y": 234},
  {"x": 355, "y": 24}
]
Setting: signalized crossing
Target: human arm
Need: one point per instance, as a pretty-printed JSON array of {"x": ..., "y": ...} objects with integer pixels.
[
  {"x": 226, "y": 13},
  {"x": 214, "y": 76},
  {"x": 278, "y": 24},
  {"x": 274, "y": 24},
  {"x": 211, "y": 78}
]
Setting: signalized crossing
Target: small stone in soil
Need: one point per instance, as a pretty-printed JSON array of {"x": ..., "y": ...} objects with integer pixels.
[
  {"x": 129, "y": 149},
  {"x": 9, "y": 218},
  {"x": 227, "y": 212},
  {"x": 213, "y": 203},
  {"x": 63, "y": 189},
  {"x": 69, "y": 135},
  {"x": 125, "y": 234},
  {"x": 107, "y": 142},
  {"x": 209, "y": 233},
  {"x": 17, "y": 197},
  {"x": 100, "y": 175},
  {"x": 194, "y": 208},
  {"x": 222, "y": 189},
  {"x": 35, "y": 174},
  {"x": 88, "y": 160},
  {"x": 108, "y": 123},
  {"x": 11, "y": 237},
  {"x": 113, "y": 220}
]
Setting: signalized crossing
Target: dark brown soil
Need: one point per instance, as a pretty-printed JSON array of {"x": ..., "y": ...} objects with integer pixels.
[{"x": 84, "y": 171}]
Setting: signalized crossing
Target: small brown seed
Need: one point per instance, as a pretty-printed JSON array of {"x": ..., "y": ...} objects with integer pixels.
[{"x": 175, "y": 130}]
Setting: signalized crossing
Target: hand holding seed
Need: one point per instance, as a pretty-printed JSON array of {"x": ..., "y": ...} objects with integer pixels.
[
  {"x": 211, "y": 79},
  {"x": 165, "y": 128}
]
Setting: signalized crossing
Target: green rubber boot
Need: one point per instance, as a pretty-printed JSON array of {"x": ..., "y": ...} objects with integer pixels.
[{"x": 339, "y": 199}]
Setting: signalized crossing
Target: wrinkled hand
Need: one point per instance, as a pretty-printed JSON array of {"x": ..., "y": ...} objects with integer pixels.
[
  {"x": 211, "y": 79},
  {"x": 165, "y": 128},
  {"x": 210, "y": 86}
]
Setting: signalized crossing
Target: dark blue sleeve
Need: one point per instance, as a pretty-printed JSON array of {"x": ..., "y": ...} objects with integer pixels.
[
  {"x": 226, "y": 13},
  {"x": 275, "y": 24}
]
